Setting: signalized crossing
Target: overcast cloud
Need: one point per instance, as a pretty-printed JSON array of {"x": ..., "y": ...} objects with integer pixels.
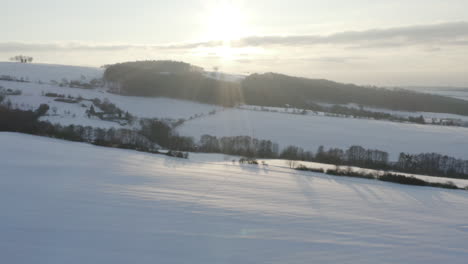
[{"x": 453, "y": 33}]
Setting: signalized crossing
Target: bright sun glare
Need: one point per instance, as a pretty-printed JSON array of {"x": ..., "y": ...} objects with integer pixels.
[{"x": 226, "y": 22}]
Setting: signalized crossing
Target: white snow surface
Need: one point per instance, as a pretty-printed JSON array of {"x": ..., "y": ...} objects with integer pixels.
[
  {"x": 309, "y": 132},
  {"x": 35, "y": 72},
  {"x": 64, "y": 202}
]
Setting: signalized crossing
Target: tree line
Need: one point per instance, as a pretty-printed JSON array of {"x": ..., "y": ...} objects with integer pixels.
[
  {"x": 433, "y": 164},
  {"x": 155, "y": 134},
  {"x": 386, "y": 176},
  {"x": 239, "y": 145}
]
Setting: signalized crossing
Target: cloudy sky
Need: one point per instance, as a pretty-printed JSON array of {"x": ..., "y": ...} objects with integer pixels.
[{"x": 379, "y": 42}]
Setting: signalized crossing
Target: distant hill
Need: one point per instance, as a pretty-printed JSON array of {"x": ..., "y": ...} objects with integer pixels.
[
  {"x": 171, "y": 79},
  {"x": 279, "y": 89},
  {"x": 184, "y": 81},
  {"x": 454, "y": 92}
]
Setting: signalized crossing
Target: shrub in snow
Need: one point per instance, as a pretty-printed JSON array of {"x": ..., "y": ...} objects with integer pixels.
[
  {"x": 250, "y": 161},
  {"x": 177, "y": 154}
]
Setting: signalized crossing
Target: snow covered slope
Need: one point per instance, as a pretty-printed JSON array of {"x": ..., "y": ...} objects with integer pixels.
[
  {"x": 309, "y": 132},
  {"x": 138, "y": 106},
  {"x": 33, "y": 95},
  {"x": 63, "y": 202},
  {"x": 48, "y": 72}
]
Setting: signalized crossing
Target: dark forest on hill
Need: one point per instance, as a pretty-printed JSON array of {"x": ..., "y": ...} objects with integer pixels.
[{"x": 184, "y": 81}]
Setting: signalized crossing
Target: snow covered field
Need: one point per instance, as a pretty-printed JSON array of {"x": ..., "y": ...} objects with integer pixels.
[
  {"x": 309, "y": 132},
  {"x": 63, "y": 202}
]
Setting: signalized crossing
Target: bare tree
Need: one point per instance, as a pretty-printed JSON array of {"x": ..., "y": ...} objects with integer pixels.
[
  {"x": 215, "y": 71},
  {"x": 22, "y": 59},
  {"x": 291, "y": 163}
]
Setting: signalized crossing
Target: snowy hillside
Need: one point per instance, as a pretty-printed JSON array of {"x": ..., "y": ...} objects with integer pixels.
[
  {"x": 307, "y": 131},
  {"x": 143, "y": 107},
  {"x": 33, "y": 95},
  {"x": 77, "y": 203},
  {"x": 310, "y": 132},
  {"x": 48, "y": 72}
]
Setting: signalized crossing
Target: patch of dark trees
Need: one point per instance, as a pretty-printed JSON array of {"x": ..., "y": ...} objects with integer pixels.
[
  {"x": 82, "y": 84},
  {"x": 353, "y": 156},
  {"x": 54, "y": 95},
  {"x": 7, "y": 91},
  {"x": 9, "y": 78},
  {"x": 433, "y": 164},
  {"x": 386, "y": 176},
  {"x": 22, "y": 59},
  {"x": 64, "y": 99},
  {"x": 94, "y": 83},
  {"x": 15, "y": 120},
  {"x": 184, "y": 81},
  {"x": 109, "y": 112},
  {"x": 247, "y": 160},
  {"x": 239, "y": 145},
  {"x": 162, "y": 133}
]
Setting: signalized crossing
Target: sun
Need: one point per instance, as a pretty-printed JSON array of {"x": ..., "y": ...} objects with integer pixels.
[{"x": 225, "y": 22}]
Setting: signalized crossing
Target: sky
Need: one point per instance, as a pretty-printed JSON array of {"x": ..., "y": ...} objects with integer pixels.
[{"x": 370, "y": 42}]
